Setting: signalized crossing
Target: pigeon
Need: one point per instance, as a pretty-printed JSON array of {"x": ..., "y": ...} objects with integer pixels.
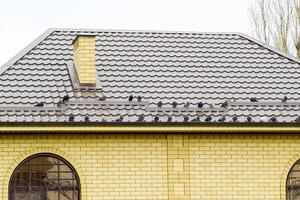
[
  {"x": 59, "y": 104},
  {"x": 120, "y": 119},
  {"x": 249, "y": 119},
  {"x": 139, "y": 98},
  {"x": 211, "y": 106},
  {"x": 273, "y": 119},
  {"x": 253, "y": 99},
  {"x": 86, "y": 119},
  {"x": 208, "y": 118},
  {"x": 159, "y": 104},
  {"x": 103, "y": 98},
  {"x": 130, "y": 98},
  {"x": 141, "y": 118},
  {"x": 185, "y": 118},
  {"x": 200, "y": 105},
  {"x": 196, "y": 119},
  {"x": 284, "y": 100},
  {"x": 41, "y": 104},
  {"x": 234, "y": 119},
  {"x": 174, "y": 104},
  {"x": 169, "y": 119},
  {"x": 222, "y": 119},
  {"x": 224, "y": 105},
  {"x": 66, "y": 98},
  {"x": 71, "y": 118},
  {"x": 156, "y": 119},
  {"x": 187, "y": 105},
  {"x": 297, "y": 120}
]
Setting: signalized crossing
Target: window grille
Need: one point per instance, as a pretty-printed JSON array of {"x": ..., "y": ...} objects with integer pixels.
[
  {"x": 293, "y": 182},
  {"x": 44, "y": 177}
]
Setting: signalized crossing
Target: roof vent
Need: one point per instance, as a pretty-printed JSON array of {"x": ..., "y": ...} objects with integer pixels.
[{"x": 85, "y": 59}]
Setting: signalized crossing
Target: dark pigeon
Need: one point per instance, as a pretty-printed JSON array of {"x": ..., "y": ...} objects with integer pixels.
[
  {"x": 66, "y": 98},
  {"x": 200, "y": 105},
  {"x": 40, "y": 104},
  {"x": 139, "y": 98},
  {"x": 253, "y": 99},
  {"x": 130, "y": 98}
]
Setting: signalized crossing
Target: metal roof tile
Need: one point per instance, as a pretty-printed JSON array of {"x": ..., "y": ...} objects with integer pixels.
[{"x": 159, "y": 66}]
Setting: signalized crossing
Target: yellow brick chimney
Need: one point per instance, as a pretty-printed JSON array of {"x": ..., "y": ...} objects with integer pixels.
[{"x": 85, "y": 59}]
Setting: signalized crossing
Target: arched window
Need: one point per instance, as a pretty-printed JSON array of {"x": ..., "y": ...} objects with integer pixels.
[
  {"x": 293, "y": 183},
  {"x": 44, "y": 177}
]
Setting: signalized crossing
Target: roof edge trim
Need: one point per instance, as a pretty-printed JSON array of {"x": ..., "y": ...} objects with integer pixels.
[
  {"x": 141, "y": 30},
  {"x": 147, "y": 129},
  {"x": 27, "y": 49},
  {"x": 288, "y": 56}
]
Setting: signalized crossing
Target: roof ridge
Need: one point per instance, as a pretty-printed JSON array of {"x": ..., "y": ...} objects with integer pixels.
[
  {"x": 24, "y": 51},
  {"x": 145, "y": 31},
  {"x": 277, "y": 51}
]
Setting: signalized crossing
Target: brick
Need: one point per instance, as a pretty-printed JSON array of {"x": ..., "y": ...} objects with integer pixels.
[
  {"x": 85, "y": 59},
  {"x": 149, "y": 166}
]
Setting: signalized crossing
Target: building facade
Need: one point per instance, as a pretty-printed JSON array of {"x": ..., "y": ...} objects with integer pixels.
[{"x": 163, "y": 166}]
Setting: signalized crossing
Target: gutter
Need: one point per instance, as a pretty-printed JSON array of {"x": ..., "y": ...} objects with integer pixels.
[{"x": 120, "y": 127}]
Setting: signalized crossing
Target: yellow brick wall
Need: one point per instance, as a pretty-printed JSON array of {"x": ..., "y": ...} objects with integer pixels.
[
  {"x": 178, "y": 167},
  {"x": 196, "y": 166},
  {"x": 85, "y": 59}
]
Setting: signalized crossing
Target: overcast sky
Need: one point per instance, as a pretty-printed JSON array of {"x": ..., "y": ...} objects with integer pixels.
[{"x": 21, "y": 21}]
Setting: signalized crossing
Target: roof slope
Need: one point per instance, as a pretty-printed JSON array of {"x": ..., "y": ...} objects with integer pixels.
[{"x": 159, "y": 66}]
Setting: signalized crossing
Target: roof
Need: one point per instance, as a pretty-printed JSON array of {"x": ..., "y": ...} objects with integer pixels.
[{"x": 182, "y": 67}]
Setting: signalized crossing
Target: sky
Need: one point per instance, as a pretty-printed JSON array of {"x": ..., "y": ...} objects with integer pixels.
[{"x": 21, "y": 21}]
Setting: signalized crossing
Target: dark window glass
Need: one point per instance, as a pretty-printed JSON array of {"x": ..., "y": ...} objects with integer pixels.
[{"x": 44, "y": 177}]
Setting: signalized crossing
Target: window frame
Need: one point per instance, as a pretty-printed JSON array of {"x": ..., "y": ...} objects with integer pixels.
[
  {"x": 288, "y": 181},
  {"x": 55, "y": 156}
]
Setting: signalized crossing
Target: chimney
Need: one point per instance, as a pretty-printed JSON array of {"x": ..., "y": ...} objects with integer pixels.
[{"x": 85, "y": 59}]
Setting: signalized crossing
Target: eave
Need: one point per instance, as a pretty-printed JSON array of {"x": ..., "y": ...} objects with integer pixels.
[{"x": 119, "y": 127}]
